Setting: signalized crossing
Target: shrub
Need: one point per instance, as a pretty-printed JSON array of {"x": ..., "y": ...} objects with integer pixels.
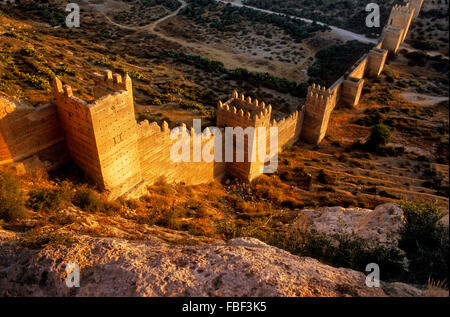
[
  {"x": 50, "y": 199},
  {"x": 425, "y": 243},
  {"x": 267, "y": 188},
  {"x": 88, "y": 200},
  {"x": 173, "y": 218},
  {"x": 37, "y": 81},
  {"x": 11, "y": 203},
  {"x": 424, "y": 45},
  {"x": 379, "y": 137},
  {"x": 339, "y": 250},
  {"x": 416, "y": 58}
]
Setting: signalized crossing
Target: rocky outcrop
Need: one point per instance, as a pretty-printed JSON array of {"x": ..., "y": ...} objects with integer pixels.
[
  {"x": 382, "y": 224},
  {"x": 118, "y": 267}
]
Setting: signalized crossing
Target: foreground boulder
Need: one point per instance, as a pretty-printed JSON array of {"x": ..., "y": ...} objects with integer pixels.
[
  {"x": 118, "y": 267},
  {"x": 382, "y": 224}
]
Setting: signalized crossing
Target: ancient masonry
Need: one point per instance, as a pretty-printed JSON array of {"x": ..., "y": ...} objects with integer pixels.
[{"x": 122, "y": 156}]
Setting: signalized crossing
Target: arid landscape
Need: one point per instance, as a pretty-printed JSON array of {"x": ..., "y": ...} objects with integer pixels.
[{"x": 363, "y": 163}]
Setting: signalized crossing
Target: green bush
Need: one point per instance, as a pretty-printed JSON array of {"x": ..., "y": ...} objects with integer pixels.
[
  {"x": 88, "y": 200},
  {"x": 379, "y": 136},
  {"x": 424, "y": 45},
  {"x": 50, "y": 199},
  {"x": 11, "y": 203},
  {"x": 425, "y": 243}
]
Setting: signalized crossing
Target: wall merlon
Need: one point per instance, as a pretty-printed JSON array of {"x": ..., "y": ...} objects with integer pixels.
[
  {"x": 110, "y": 81},
  {"x": 57, "y": 86},
  {"x": 165, "y": 126},
  {"x": 68, "y": 91}
]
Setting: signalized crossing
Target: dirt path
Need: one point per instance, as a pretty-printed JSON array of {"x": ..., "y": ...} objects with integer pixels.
[
  {"x": 151, "y": 26},
  {"x": 345, "y": 34},
  {"x": 422, "y": 99}
]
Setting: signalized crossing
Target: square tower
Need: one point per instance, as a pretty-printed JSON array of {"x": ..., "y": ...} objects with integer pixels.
[
  {"x": 101, "y": 136},
  {"x": 236, "y": 115},
  {"x": 318, "y": 107}
]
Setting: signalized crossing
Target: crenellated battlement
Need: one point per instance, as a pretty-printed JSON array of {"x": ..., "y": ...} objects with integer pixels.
[
  {"x": 247, "y": 104},
  {"x": 109, "y": 82},
  {"x": 401, "y": 9},
  {"x": 318, "y": 99},
  {"x": 64, "y": 93},
  {"x": 291, "y": 118},
  {"x": 241, "y": 111}
]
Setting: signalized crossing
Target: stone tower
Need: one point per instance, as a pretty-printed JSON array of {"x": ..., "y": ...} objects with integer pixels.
[
  {"x": 240, "y": 112},
  {"x": 318, "y": 107},
  {"x": 101, "y": 136},
  {"x": 401, "y": 17}
]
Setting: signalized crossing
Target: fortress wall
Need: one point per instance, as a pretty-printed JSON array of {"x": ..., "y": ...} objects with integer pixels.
[
  {"x": 155, "y": 144},
  {"x": 289, "y": 129},
  {"x": 25, "y": 131},
  {"x": 101, "y": 136},
  {"x": 107, "y": 82},
  {"x": 359, "y": 68},
  {"x": 120, "y": 155},
  {"x": 336, "y": 91},
  {"x": 353, "y": 84},
  {"x": 247, "y": 104},
  {"x": 243, "y": 112}
]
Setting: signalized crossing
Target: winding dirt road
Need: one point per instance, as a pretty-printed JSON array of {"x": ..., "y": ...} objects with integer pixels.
[
  {"x": 151, "y": 26},
  {"x": 344, "y": 34}
]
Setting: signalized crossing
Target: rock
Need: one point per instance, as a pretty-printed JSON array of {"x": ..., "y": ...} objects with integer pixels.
[
  {"x": 443, "y": 221},
  {"x": 382, "y": 224},
  {"x": 118, "y": 267},
  {"x": 398, "y": 289}
]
